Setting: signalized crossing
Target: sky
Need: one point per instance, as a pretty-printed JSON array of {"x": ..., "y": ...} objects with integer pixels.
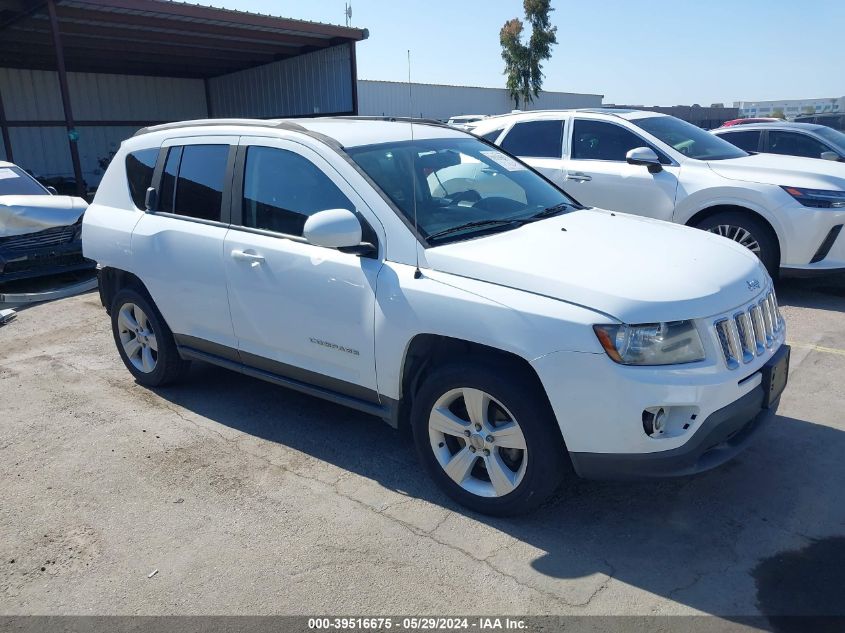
[{"x": 645, "y": 52}]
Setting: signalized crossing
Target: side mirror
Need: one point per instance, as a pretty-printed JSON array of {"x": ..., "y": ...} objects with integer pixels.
[
  {"x": 334, "y": 228},
  {"x": 644, "y": 156},
  {"x": 830, "y": 156},
  {"x": 151, "y": 199},
  {"x": 53, "y": 191}
]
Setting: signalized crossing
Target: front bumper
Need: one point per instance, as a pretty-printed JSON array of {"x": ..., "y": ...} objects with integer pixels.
[
  {"x": 42, "y": 261},
  {"x": 812, "y": 240},
  {"x": 723, "y": 435}
]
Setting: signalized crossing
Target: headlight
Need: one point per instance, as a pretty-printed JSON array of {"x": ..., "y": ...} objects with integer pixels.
[
  {"x": 818, "y": 198},
  {"x": 651, "y": 343}
]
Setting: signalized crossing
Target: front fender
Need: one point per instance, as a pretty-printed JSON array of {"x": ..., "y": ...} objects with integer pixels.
[
  {"x": 512, "y": 321},
  {"x": 738, "y": 197}
]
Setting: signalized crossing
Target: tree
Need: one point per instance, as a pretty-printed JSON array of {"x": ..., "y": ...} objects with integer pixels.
[
  {"x": 523, "y": 62},
  {"x": 777, "y": 113}
]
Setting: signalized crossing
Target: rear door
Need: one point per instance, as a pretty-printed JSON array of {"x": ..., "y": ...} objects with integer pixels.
[
  {"x": 597, "y": 174},
  {"x": 300, "y": 311},
  {"x": 178, "y": 248}
]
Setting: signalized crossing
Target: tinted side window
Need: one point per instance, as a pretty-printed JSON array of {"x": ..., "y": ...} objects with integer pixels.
[
  {"x": 596, "y": 140},
  {"x": 538, "y": 139},
  {"x": 281, "y": 189},
  {"x": 748, "y": 140},
  {"x": 140, "y": 166},
  {"x": 792, "y": 144},
  {"x": 492, "y": 135},
  {"x": 199, "y": 188}
]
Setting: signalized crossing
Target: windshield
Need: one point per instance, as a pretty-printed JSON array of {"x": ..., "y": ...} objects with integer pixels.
[
  {"x": 688, "y": 139},
  {"x": 16, "y": 182},
  {"x": 834, "y": 137},
  {"x": 458, "y": 181}
]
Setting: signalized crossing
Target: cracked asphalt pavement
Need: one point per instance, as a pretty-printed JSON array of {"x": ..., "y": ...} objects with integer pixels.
[{"x": 251, "y": 499}]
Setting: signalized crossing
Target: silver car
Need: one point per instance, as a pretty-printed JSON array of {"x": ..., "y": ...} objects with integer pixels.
[{"x": 791, "y": 139}]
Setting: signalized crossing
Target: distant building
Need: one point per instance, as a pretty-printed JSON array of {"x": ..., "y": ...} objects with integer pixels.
[
  {"x": 790, "y": 108},
  {"x": 703, "y": 117},
  {"x": 440, "y": 101}
]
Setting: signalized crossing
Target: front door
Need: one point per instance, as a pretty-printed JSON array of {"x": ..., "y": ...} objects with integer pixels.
[
  {"x": 596, "y": 173},
  {"x": 301, "y": 311}
]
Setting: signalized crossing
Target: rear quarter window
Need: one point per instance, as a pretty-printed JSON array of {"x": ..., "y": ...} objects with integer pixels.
[
  {"x": 140, "y": 166},
  {"x": 749, "y": 140},
  {"x": 535, "y": 139},
  {"x": 492, "y": 135}
]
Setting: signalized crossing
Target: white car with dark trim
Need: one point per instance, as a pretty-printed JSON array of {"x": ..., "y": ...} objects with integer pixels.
[
  {"x": 420, "y": 274},
  {"x": 787, "y": 210}
]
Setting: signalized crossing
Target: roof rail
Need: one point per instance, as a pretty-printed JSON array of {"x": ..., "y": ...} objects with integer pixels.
[
  {"x": 274, "y": 123},
  {"x": 287, "y": 124}
]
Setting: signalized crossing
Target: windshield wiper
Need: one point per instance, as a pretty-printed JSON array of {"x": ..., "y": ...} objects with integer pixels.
[
  {"x": 548, "y": 212},
  {"x": 474, "y": 224},
  {"x": 517, "y": 222}
]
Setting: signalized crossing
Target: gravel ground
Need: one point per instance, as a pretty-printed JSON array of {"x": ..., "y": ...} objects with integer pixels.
[{"x": 248, "y": 498}]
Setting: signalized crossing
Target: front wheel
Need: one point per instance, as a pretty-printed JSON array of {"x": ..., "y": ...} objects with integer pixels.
[
  {"x": 487, "y": 436},
  {"x": 749, "y": 232}
]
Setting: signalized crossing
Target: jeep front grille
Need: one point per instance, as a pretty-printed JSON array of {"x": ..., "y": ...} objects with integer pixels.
[{"x": 747, "y": 333}]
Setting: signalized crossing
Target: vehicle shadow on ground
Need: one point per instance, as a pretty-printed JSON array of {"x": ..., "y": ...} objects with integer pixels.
[
  {"x": 820, "y": 293},
  {"x": 693, "y": 540}
]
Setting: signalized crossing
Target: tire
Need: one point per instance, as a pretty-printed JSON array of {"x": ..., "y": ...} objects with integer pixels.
[
  {"x": 532, "y": 474},
  {"x": 748, "y": 231},
  {"x": 144, "y": 341}
]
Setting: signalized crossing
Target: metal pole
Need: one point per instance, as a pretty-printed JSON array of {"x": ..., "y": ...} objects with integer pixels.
[
  {"x": 353, "y": 69},
  {"x": 60, "y": 66},
  {"x": 208, "y": 113},
  {"x": 4, "y": 128}
]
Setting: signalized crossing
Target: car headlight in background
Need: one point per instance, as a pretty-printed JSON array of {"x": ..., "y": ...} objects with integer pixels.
[
  {"x": 818, "y": 198},
  {"x": 651, "y": 343}
]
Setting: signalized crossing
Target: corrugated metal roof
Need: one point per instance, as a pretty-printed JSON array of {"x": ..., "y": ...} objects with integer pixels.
[{"x": 158, "y": 37}]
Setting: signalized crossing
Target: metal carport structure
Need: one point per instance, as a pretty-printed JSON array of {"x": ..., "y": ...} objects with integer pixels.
[{"x": 100, "y": 69}]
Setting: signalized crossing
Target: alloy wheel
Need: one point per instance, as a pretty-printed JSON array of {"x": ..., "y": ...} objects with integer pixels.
[
  {"x": 478, "y": 442},
  {"x": 137, "y": 337},
  {"x": 739, "y": 235}
]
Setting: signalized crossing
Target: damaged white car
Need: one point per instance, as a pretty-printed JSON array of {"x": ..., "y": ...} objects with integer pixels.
[{"x": 40, "y": 232}]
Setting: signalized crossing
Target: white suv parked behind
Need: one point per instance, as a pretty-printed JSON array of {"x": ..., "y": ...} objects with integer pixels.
[
  {"x": 787, "y": 210},
  {"x": 417, "y": 273}
]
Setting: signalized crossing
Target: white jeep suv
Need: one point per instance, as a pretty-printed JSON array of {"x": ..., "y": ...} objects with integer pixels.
[
  {"x": 420, "y": 274},
  {"x": 788, "y": 210}
]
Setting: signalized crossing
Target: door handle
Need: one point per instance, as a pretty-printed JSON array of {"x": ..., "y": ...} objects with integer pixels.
[
  {"x": 244, "y": 256},
  {"x": 578, "y": 176}
]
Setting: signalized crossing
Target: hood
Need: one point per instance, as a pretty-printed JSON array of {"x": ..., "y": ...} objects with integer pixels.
[
  {"x": 787, "y": 171},
  {"x": 632, "y": 268},
  {"x": 20, "y": 215}
]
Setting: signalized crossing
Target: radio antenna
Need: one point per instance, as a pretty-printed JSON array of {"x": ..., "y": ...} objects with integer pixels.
[{"x": 417, "y": 271}]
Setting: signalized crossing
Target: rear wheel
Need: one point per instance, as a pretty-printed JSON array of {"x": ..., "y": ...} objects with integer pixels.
[
  {"x": 144, "y": 341},
  {"x": 487, "y": 436},
  {"x": 747, "y": 231}
]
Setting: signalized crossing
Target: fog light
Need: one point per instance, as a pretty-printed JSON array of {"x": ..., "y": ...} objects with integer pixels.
[{"x": 654, "y": 421}]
